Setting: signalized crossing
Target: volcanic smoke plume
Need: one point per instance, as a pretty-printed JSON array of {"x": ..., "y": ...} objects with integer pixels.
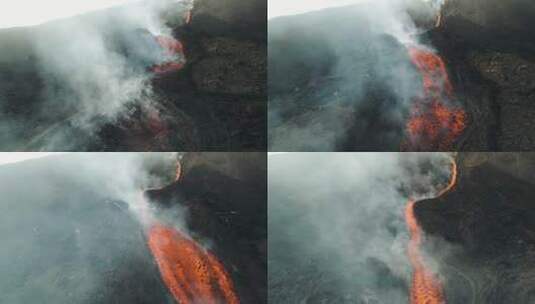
[
  {"x": 87, "y": 233},
  {"x": 337, "y": 227},
  {"x": 342, "y": 80},
  {"x": 73, "y": 77}
]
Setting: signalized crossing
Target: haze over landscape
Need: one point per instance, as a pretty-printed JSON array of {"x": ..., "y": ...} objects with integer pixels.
[{"x": 15, "y": 13}]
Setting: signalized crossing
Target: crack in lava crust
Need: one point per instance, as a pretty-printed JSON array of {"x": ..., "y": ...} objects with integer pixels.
[
  {"x": 434, "y": 123},
  {"x": 426, "y": 287}
]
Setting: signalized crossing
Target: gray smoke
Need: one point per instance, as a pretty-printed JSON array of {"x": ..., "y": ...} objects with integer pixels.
[
  {"x": 86, "y": 70},
  {"x": 341, "y": 78},
  {"x": 72, "y": 228},
  {"x": 336, "y": 224}
]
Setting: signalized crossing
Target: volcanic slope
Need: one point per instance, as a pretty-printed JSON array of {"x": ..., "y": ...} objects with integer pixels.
[
  {"x": 215, "y": 102},
  {"x": 481, "y": 232}
]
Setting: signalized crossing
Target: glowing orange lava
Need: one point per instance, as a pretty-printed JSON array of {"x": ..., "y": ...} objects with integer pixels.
[
  {"x": 434, "y": 123},
  {"x": 192, "y": 274},
  {"x": 426, "y": 287},
  {"x": 172, "y": 47}
]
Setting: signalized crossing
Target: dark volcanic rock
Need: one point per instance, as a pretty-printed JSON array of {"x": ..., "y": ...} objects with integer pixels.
[
  {"x": 487, "y": 222},
  {"x": 245, "y": 19},
  {"x": 507, "y": 18},
  {"x": 488, "y": 47},
  {"x": 231, "y": 67}
]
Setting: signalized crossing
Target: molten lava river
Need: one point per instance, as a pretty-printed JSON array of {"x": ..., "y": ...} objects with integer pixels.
[
  {"x": 434, "y": 123},
  {"x": 192, "y": 274},
  {"x": 426, "y": 287}
]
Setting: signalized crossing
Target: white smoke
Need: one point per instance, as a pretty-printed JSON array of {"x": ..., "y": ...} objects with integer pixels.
[
  {"x": 344, "y": 55},
  {"x": 96, "y": 66},
  {"x": 336, "y": 223},
  {"x": 77, "y": 214}
]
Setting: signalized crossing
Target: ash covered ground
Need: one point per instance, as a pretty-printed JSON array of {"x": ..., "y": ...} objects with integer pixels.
[
  {"x": 85, "y": 83},
  {"x": 351, "y": 82}
]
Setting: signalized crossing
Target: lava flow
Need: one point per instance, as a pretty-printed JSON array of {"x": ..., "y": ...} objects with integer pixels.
[
  {"x": 174, "y": 48},
  {"x": 426, "y": 287},
  {"x": 192, "y": 274},
  {"x": 434, "y": 123}
]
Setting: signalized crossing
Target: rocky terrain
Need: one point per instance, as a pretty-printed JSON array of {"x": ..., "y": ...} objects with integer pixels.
[
  {"x": 481, "y": 232},
  {"x": 216, "y": 102},
  {"x": 488, "y": 47}
]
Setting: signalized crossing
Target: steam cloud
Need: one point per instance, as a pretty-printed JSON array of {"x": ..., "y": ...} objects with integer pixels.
[
  {"x": 336, "y": 224},
  {"x": 90, "y": 69},
  {"x": 344, "y": 72},
  {"x": 72, "y": 228}
]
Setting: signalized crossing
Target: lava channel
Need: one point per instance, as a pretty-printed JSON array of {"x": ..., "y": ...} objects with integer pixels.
[
  {"x": 426, "y": 287},
  {"x": 172, "y": 48},
  {"x": 191, "y": 273},
  {"x": 434, "y": 123}
]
